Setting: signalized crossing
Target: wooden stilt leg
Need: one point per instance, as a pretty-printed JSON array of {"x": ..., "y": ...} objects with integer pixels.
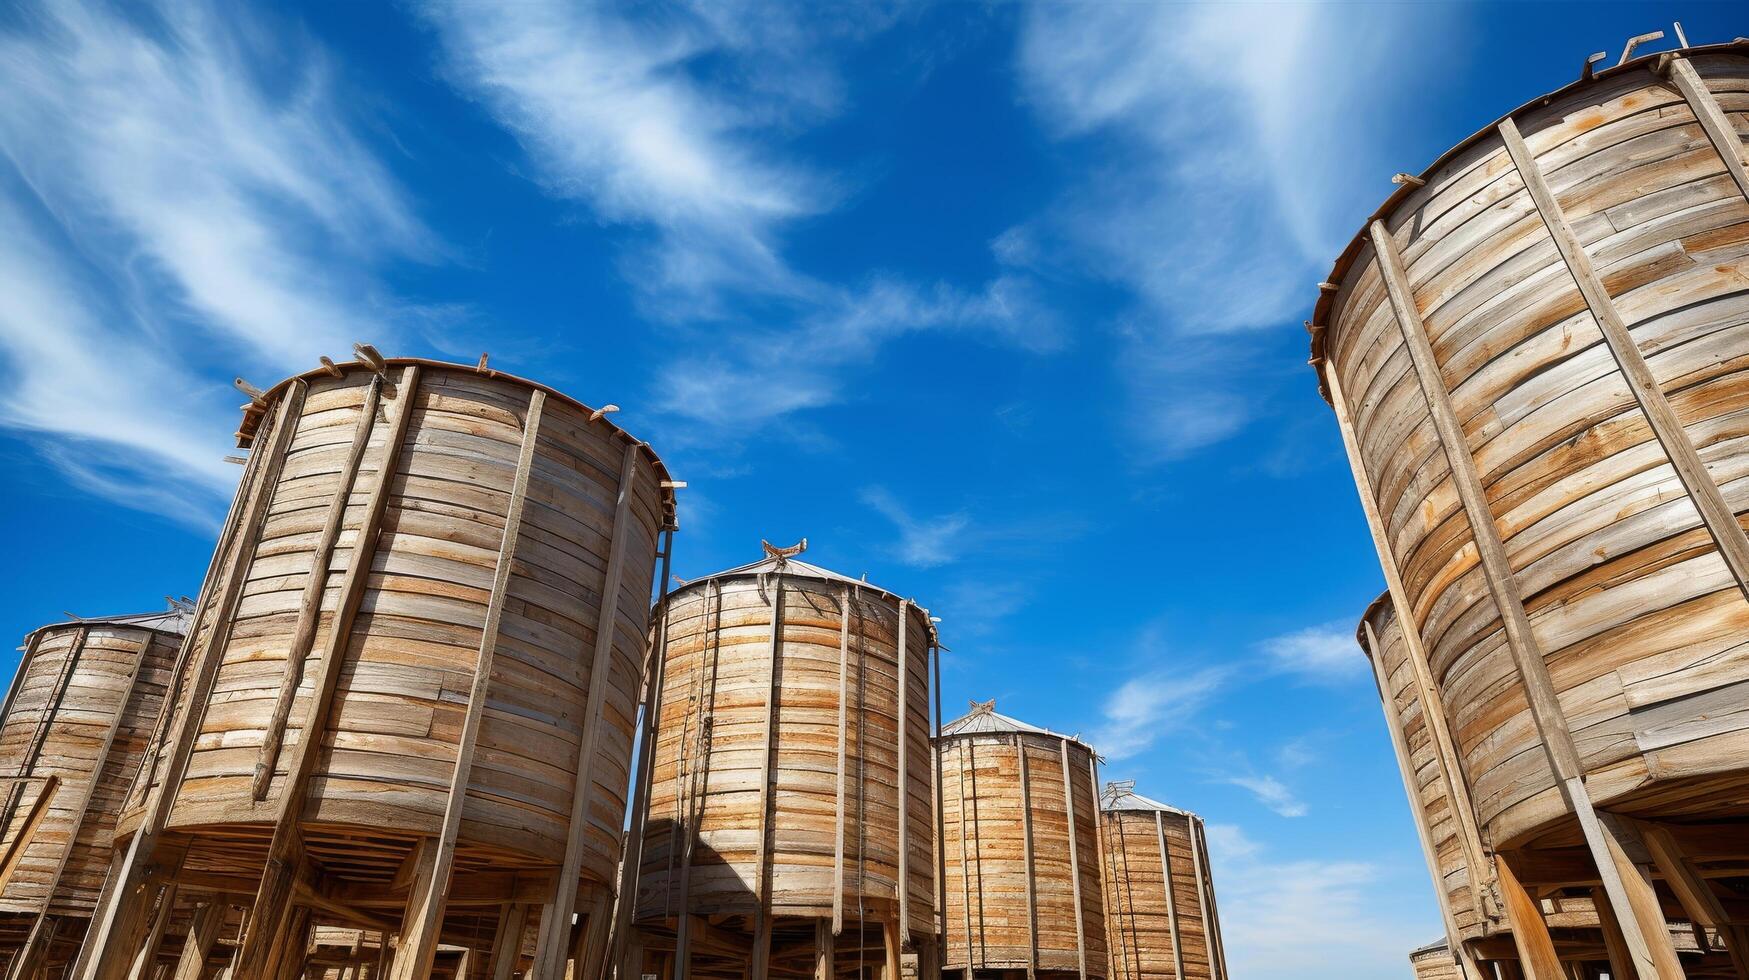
[
  {"x": 824, "y": 952},
  {"x": 294, "y": 949},
  {"x": 1697, "y": 897},
  {"x": 761, "y": 960},
  {"x": 191, "y": 965},
  {"x": 1633, "y": 863},
  {"x": 29, "y": 960},
  {"x": 507, "y": 944},
  {"x": 591, "y": 952},
  {"x": 417, "y": 943},
  {"x": 895, "y": 948},
  {"x": 1536, "y": 949},
  {"x": 147, "y": 956},
  {"x": 1614, "y": 946}
]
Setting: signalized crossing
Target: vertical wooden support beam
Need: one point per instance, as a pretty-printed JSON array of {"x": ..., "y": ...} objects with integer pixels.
[
  {"x": 1075, "y": 862},
  {"x": 904, "y": 780},
  {"x": 33, "y": 821},
  {"x": 1614, "y": 946},
  {"x": 1217, "y": 948},
  {"x": 1633, "y": 864},
  {"x": 1171, "y": 898},
  {"x": 1202, "y": 906},
  {"x": 655, "y": 674},
  {"x": 894, "y": 946},
  {"x": 146, "y": 959},
  {"x": 1709, "y": 501},
  {"x": 1712, "y": 118},
  {"x": 507, "y": 942},
  {"x": 202, "y": 930},
  {"x": 1426, "y": 690},
  {"x": 824, "y": 954},
  {"x": 1098, "y": 840},
  {"x": 1406, "y": 769},
  {"x": 1545, "y": 706},
  {"x": 285, "y": 851},
  {"x": 683, "y": 927},
  {"x": 422, "y": 927},
  {"x": 556, "y": 912},
  {"x": 939, "y": 844},
  {"x": 850, "y": 597},
  {"x": 762, "y": 857},
  {"x": 315, "y": 586},
  {"x": 1696, "y": 896},
  {"x": 1530, "y": 933},
  {"x": 1026, "y": 855},
  {"x": 591, "y": 952},
  {"x": 29, "y": 960},
  {"x": 962, "y": 750},
  {"x": 118, "y": 905}
]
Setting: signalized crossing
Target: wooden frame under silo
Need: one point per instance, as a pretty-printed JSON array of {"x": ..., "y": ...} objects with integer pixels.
[
  {"x": 778, "y": 680},
  {"x": 468, "y": 532},
  {"x": 1533, "y": 351}
]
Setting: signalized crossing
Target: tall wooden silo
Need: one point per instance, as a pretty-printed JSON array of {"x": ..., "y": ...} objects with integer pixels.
[
  {"x": 1021, "y": 841},
  {"x": 73, "y": 734},
  {"x": 1535, "y": 354},
  {"x": 409, "y": 696},
  {"x": 789, "y": 826},
  {"x": 1160, "y": 912},
  {"x": 1434, "y": 962}
]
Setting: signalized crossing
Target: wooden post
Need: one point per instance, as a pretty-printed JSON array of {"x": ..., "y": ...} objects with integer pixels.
[
  {"x": 315, "y": 586},
  {"x": 507, "y": 942},
  {"x": 1171, "y": 899},
  {"x": 1530, "y": 933},
  {"x": 1545, "y": 705},
  {"x": 33, "y": 821},
  {"x": 145, "y": 961},
  {"x": 1633, "y": 865},
  {"x": 1696, "y": 896},
  {"x": 28, "y": 961},
  {"x": 422, "y": 925},
  {"x": 119, "y": 905},
  {"x": 850, "y": 597},
  {"x": 1715, "y": 512},
  {"x": 1217, "y": 948},
  {"x": 966, "y": 820},
  {"x": 1026, "y": 855},
  {"x": 894, "y": 944},
  {"x": 1426, "y": 690},
  {"x": 1614, "y": 946},
  {"x": 762, "y": 873},
  {"x": 1075, "y": 863},
  {"x": 284, "y": 855},
  {"x": 1406, "y": 769},
  {"x": 904, "y": 780},
  {"x": 591, "y": 952},
  {"x": 683, "y": 925},
  {"x": 555, "y": 920},
  {"x": 626, "y": 902},
  {"x": 202, "y": 930},
  {"x": 939, "y": 844},
  {"x": 1712, "y": 118}
]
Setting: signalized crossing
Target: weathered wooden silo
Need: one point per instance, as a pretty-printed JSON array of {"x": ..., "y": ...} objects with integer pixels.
[
  {"x": 789, "y": 824},
  {"x": 1021, "y": 842},
  {"x": 1160, "y": 915},
  {"x": 409, "y": 696},
  {"x": 1434, "y": 962},
  {"x": 73, "y": 734},
  {"x": 1535, "y": 354}
]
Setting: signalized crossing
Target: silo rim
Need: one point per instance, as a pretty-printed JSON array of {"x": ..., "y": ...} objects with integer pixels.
[
  {"x": 1132, "y": 801},
  {"x": 170, "y": 622},
  {"x": 254, "y": 412},
  {"x": 1000, "y": 724},
  {"x": 1437, "y": 946},
  {"x": 1321, "y": 308},
  {"x": 801, "y": 569}
]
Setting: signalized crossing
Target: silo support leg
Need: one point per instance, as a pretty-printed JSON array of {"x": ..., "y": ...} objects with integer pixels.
[
  {"x": 1632, "y": 864},
  {"x": 191, "y": 965},
  {"x": 1530, "y": 933},
  {"x": 507, "y": 943},
  {"x": 29, "y": 960},
  {"x": 146, "y": 958},
  {"x": 890, "y": 932},
  {"x": 1614, "y": 945},
  {"x": 760, "y": 962},
  {"x": 1696, "y": 896},
  {"x": 591, "y": 951},
  {"x": 824, "y": 953}
]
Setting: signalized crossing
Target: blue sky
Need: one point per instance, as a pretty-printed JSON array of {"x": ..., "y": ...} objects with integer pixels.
[{"x": 998, "y": 303}]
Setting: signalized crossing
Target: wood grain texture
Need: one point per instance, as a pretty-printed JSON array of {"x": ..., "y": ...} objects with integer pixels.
[
  {"x": 988, "y": 922},
  {"x": 1637, "y": 619},
  {"x": 831, "y": 766},
  {"x": 1145, "y": 917}
]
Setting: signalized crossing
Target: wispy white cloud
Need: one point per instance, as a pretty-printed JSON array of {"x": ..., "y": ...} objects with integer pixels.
[
  {"x": 165, "y": 208},
  {"x": 1271, "y": 792},
  {"x": 1147, "y": 708},
  {"x": 1208, "y": 203},
  {"x": 923, "y": 542},
  {"x": 1326, "y": 652},
  {"x": 929, "y": 541},
  {"x": 1266, "y": 904}
]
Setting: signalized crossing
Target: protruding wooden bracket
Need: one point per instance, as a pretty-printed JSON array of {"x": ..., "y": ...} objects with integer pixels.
[{"x": 371, "y": 358}]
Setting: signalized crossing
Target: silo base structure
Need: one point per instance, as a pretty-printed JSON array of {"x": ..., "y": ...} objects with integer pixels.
[
  {"x": 1021, "y": 841},
  {"x": 789, "y": 828},
  {"x": 1160, "y": 912},
  {"x": 406, "y": 704},
  {"x": 1535, "y": 352},
  {"x": 75, "y": 730}
]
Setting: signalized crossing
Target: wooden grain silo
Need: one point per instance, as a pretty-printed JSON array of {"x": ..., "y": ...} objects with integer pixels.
[
  {"x": 1536, "y": 357},
  {"x": 1021, "y": 841},
  {"x": 409, "y": 694},
  {"x": 1434, "y": 962},
  {"x": 1160, "y": 913},
  {"x": 789, "y": 825},
  {"x": 73, "y": 734}
]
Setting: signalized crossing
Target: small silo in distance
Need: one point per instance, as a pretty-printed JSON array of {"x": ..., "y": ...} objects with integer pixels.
[
  {"x": 1535, "y": 353},
  {"x": 789, "y": 826},
  {"x": 73, "y": 734},
  {"x": 409, "y": 698},
  {"x": 1021, "y": 844},
  {"x": 1161, "y": 917},
  {"x": 1434, "y": 962}
]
